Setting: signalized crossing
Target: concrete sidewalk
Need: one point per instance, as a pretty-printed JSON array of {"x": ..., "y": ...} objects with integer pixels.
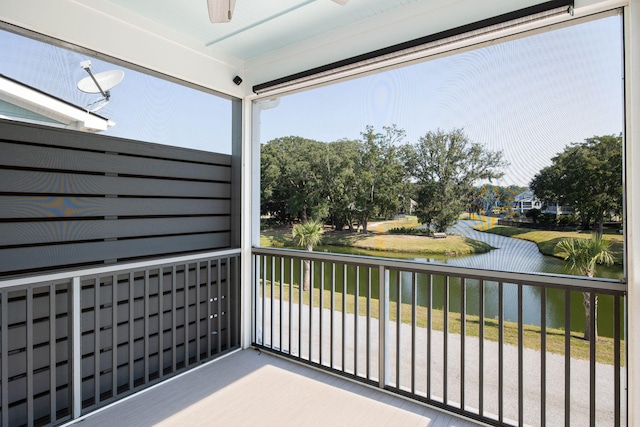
[{"x": 555, "y": 367}]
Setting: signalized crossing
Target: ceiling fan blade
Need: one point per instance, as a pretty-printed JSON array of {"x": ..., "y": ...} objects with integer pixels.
[
  {"x": 341, "y": 2},
  {"x": 220, "y": 10}
]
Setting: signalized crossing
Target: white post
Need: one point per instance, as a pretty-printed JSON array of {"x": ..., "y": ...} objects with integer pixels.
[
  {"x": 632, "y": 183},
  {"x": 246, "y": 275}
]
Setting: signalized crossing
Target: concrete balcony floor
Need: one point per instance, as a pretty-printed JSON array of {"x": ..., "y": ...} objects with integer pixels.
[{"x": 247, "y": 388}]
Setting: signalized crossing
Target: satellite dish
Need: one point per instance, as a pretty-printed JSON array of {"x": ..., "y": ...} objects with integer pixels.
[{"x": 101, "y": 82}]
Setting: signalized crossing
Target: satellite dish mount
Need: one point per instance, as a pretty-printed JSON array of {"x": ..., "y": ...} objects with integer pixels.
[{"x": 100, "y": 83}]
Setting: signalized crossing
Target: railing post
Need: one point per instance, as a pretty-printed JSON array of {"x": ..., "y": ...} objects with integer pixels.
[
  {"x": 77, "y": 350},
  {"x": 383, "y": 329}
]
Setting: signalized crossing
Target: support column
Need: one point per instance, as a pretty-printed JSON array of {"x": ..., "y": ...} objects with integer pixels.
[{"x": 632, "y": 184}]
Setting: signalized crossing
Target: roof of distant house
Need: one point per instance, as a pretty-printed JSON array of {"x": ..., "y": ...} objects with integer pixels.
[{"x": 46, "y": 108}]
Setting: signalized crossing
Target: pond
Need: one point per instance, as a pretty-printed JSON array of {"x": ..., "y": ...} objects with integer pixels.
[{"x": 513, "y": 255}]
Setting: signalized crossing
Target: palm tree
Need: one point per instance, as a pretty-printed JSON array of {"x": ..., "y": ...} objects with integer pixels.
[
  {"x": 308, "y": 234},
  {"x": 581, "y": 256}
]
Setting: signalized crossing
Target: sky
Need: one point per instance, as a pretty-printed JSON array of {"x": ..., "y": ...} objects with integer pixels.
[
  {"x": 143, "y": 107},
  {"x": 528, "y": 97}
]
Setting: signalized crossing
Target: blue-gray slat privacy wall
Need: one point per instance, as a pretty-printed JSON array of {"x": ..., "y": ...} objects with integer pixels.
[
  {"x": 70, "y": 199},
  {"x": 137, "y": 327},
  {"x": 71, "y": 202}
]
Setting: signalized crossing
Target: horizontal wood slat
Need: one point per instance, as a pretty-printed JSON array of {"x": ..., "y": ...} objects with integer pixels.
[
  {"x": 21, "y": 181},
  {"x": 14, "y": 207},
  {"x": 30, "y": 233},
  {"x": 69, "y": 198},
  {"x": 27, "y": 156},
  {"x": 17, "y": 259},
  {"x": 26, "y": 133}
]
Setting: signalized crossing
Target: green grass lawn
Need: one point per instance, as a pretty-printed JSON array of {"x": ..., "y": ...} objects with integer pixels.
[
  {"x": 555, "y": 338},
  {"x": 379, "y": 240}
]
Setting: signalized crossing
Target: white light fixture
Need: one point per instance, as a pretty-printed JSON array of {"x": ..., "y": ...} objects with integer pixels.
[{"x": 221, "y": 10}]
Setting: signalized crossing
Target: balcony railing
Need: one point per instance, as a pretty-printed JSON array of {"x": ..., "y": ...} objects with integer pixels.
[
  {"x": 73, "y": 342},
  {"x": 502, "y": 348}
]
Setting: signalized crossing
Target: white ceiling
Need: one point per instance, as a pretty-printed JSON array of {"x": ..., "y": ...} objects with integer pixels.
[
  {"x": 266, "y": 39},
  {"x": 258, "y": 26}
]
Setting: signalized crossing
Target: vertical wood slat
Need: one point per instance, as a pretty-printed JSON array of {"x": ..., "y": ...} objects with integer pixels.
[
  {"x": 198, "y": 313},
  {"x": 52, "y": 355},
  {"x": 218, "y": 305},
  {"x": 114, "y": 335},
  {"x": 5, "y": 357},
  {"x": 29, "y": 350},
  {"x": 97, "y": 343},
  {"x": 161, "y": 322},
  {"x": 186, "y": 315},
  {"x": 227, "y": 305},
  {"x": 74, "y": 347},
  {"x": 173, "y": 320},
  {"x": 131, "y": 300},
  {"x": 146, "y": 326}
]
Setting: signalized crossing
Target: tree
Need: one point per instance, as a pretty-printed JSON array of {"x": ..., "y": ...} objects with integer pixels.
[
  {"x": 445, "y": 166},
  {"x": 337, "y": 174},
  {"x": 586, "y": 176},
  {"x": 290, "y": 184},
  {"x": 308, "y": 234},
  {"x": 378, "y": 184},
  {"x": 581, "y": 256}
]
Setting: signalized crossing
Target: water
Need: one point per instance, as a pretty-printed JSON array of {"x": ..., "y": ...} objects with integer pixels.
[{"x": 513, "y": 255}]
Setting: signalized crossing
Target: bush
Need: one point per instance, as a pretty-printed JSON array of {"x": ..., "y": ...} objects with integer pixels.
[
  {"x": 547, "y": 218},
  {"x": 568, "y": 220},
  {"x": 406, "y": 230}
]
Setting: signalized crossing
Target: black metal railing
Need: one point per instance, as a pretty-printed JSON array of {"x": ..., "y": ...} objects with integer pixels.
[
  {"x": 73, "y": 342},
  {"x": 502, "y": 348}
]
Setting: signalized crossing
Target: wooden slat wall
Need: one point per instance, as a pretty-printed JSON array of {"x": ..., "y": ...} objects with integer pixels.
[
  {"x": 35, "y": 355},
  {"x": 165, "y": 320},
  {"x": 70, "y": 198}
]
